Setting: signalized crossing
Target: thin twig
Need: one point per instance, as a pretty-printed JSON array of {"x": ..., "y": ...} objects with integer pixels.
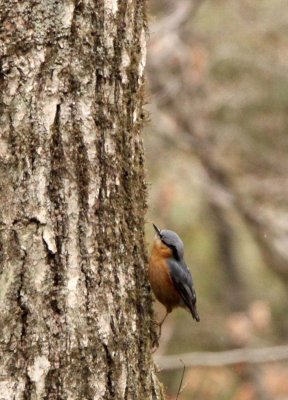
[{"x": 180, "y": 386}]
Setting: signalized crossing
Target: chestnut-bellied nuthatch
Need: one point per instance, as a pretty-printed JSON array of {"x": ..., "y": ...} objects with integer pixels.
[{"x": 169, "y": 276}]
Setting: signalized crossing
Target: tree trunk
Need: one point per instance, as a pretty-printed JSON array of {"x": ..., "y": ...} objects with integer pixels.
[{"x": 75, "y": 305}]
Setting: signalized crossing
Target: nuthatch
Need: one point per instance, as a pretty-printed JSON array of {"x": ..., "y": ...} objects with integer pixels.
[{"x": 169, "y": 276}]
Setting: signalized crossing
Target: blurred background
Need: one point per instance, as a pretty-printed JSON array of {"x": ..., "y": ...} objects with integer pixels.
[{"x": 217, "y": 167}]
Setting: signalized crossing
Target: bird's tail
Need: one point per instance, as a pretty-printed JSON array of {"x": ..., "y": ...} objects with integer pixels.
[{"x": 194, "y": 312}]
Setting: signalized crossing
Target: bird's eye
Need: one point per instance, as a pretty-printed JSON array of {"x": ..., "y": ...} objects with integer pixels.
[{"x": 174, "y": 250}]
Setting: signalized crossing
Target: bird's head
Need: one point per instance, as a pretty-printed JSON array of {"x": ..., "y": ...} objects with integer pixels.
[{"x": 169, "y": 243}]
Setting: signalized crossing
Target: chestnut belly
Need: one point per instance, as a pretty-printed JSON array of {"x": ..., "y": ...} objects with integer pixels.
[{"x": 162, "y": 285}]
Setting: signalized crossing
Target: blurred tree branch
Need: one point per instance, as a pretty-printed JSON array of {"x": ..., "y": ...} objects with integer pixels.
[
  {"x": 223, "y": 358},
  {"x": 183, "y": 12}
]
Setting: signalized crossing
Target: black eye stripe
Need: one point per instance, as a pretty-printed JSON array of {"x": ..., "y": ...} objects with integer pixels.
[
  {"x": 163, "y": 241},
  {"x": 173, "y": 248},
  {"x": 166, "y": 244}
]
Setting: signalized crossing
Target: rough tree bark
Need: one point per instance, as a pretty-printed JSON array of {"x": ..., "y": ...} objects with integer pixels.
[{"x": 75, "y": 306}]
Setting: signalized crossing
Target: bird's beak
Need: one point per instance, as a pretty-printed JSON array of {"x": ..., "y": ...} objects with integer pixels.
[{"x": 157, "y": 230}]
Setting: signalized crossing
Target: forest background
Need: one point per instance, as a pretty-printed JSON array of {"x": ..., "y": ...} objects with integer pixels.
[{"x": 216, "y": 154}]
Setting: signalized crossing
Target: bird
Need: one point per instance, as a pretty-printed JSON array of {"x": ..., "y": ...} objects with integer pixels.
[{"x": 170, "y": 278}]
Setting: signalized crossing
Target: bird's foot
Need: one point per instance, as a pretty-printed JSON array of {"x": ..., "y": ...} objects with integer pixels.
[{"x": 157, "y": 335}]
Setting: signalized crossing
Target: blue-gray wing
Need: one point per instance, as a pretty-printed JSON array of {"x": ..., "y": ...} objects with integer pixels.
[{"x": 183, "y": 283}]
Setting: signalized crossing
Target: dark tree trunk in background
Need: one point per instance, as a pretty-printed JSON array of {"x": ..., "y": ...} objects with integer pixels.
[{"x": 75, "y": 306}]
